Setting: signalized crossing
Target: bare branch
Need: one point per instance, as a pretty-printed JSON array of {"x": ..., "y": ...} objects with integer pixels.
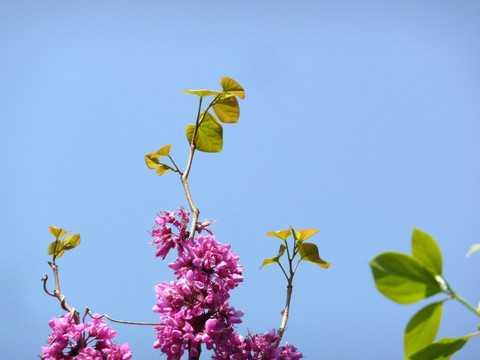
[
  {"x": 57, "y": 293},
  {"x": 286, "y": 311},
  {"x": 87, "y": 311}
]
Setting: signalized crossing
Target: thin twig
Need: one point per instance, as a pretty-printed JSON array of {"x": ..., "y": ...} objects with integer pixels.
[
  {"x": 87, "y": 311},
  {"x": 44, "y": 279}
]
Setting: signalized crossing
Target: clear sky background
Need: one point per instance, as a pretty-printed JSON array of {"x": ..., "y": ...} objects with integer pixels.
[{"x": 360, "y": 119}]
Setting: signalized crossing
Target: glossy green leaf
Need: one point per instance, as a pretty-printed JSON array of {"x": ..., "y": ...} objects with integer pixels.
[
  {"x": 281, "y": 251},
  {"x": 209, "y": 134},
  {"x": 162, "y": 169},
  {"x": 71, "y": 241},
  {"x": 442, "y": 349},
  {"x": 309, "y": 252},
  {"x": 57, "y": 232},
  {"x": 422, "y": 328},
  {"x": 151, "y": 160},
  {"x": 304, "y": 234},
  {"x": 402, "y": 278},
  {"x": 231, "y": 86},
  {"x": 227, "y": 109},
  {"x": 283, "y": 234},
  {"x": 473, "y": 248},
  {"x": 201, "y": 93},
  {"x": 425, "y": 249}
]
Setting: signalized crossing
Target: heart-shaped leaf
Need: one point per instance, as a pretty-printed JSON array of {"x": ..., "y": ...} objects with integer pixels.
[
  {"x": 232, "y": 87},
  {"x": 309, "y": 252},
  {"x": 209, "y": 136},
  {"x": 227, "y": 109}
]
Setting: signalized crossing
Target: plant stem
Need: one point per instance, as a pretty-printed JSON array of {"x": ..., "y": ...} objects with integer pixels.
[
  {"x": 286, "y": 311},
  {"x": 464, "y": 302},
  {"x": 57, "y": 293}
]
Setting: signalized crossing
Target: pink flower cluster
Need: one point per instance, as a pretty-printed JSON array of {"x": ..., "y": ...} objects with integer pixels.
[
  {"x": 85, "y": 341},
  {"x": 194, "y": 309}
]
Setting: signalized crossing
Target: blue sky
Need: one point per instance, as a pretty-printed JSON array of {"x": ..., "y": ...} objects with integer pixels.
[{"x": 360, "y": 119}]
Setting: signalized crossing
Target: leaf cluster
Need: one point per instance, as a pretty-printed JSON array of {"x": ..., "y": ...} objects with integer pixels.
[
  {"x": 406, "y": 279},
  {"x": 207, "y": 133},
  {"x": 306, "y": 251},
  {"x": 58, "y": 247}
]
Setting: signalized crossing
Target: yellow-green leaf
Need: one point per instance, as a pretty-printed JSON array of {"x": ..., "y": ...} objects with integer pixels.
[
  {"x": 55, "y": 248},
  {"x": 309, "y": 252},
  {"x": 57, "y": 232},
  {"x": 304, "y": 234},
  {"x": 281, "y": 251},
  {"x": 162, "y": 169},
  {"x": 227, "y": 109},
  {"x": 232, "y": 87},
  {"x": 209, "y": 136},
  {"x": 164, "y": 150},
  {"x": 283, "y": 234},
  {"x": 201, "y": 93},
  {"x": 72, "y": 240},
  {"x": 151, "y": 160}
]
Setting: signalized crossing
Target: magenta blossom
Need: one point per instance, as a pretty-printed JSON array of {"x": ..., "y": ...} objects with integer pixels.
[
  {"x": 85, "y": 341},
  {"x": 194, "y": 309}
]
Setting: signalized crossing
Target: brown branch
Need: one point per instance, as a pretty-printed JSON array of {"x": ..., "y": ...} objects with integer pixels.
[{"x": 58, "y": 294}]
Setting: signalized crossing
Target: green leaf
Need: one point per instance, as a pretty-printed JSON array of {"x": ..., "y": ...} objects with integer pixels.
[
  {"x": 201, "y": 93},
  {"x": 57, "y": 232},
  {"x": 232, "y": 87},
  {"x": 473, "y": 248},
  {"x": 304, "y": 234},
  {"x": 163, "y": 169},
  {"x": 442, "y": 349},
  {"x": 402, "y": 278},
  {"x": 309, "y": 252},
  {"x": 281, "y": 251},
  {"x": 71, "y": 241},
  {"x": 425, "y": 249},
  {"x": 209, "y": 136},
  {"x": 227, "y": 109},
  {"x": 422, "y": 328},
  {"x": 151, "y": 159},
  {"x": 283, "y": 234}
]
